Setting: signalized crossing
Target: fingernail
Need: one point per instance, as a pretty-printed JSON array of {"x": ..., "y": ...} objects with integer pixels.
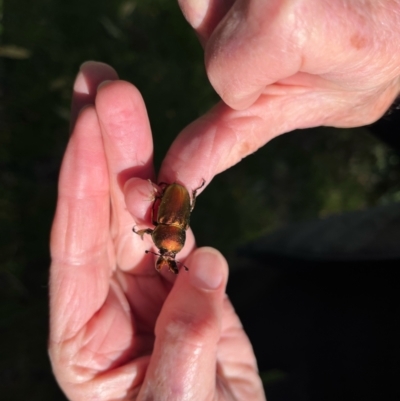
[
  {"x": 80, "y": 84},
  {"x": 104, "y": 83},
  {"x": 207, "y": 269},
  {"x": 90, "y": 74},
  {"x": 90, "y": 64},
  {"x": 194, "y": 11}
]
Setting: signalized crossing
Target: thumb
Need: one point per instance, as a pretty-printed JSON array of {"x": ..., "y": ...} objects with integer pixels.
[
  {"x": 256, "y": 44},
  {"x": 204, "y": 15},
  {"x": 183, "y": 363}
]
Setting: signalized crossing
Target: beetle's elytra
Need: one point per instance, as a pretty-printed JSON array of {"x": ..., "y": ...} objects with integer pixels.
[{"x": 171, "y": 217}]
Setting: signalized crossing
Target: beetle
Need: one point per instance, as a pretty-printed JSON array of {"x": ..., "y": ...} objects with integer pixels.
[{"x": 171, "y": 215}]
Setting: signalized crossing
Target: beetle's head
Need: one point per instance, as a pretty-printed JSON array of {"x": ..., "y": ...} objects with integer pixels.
[{"x": 167, "y": 262}]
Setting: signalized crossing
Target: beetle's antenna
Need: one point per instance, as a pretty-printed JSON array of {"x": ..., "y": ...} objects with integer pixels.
[
  {"x": 186, "y": 268},
  {"x": 157, "y": 254}
]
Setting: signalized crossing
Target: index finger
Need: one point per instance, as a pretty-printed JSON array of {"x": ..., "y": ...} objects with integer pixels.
[
  {"x": 90, "y": 75},
  {"x": 79, "y": 274},
  {"x": 128, "y": 149},
  {"x": 224, "y": 136}
]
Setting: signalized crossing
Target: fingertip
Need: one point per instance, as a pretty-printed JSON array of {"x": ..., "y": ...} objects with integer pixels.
[
  {"x": 204, "y": 15},
  {"x": 239, "y": 93},
  {"x": 99, "y": 68},
  {"x": 126, "y": 131},
  {"x": 90, "y": 75},
  {"x": 198, "y": 293},
  {"x": 120, "y": 103},
  {"x": 241, "y": 101},
  {"x": 194, "y": 11},
  {"x": 192, "y": 157},
  {"x": 208, "y": 269},
  {"x": 103, "y": 84},
  {"x": 87, "y": 110},
  {"x": 119, "y": 89},
  {"x": 139, "y": 197}
]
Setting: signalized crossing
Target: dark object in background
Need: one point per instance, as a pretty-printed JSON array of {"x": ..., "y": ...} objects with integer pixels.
[{"x": 320, "y": 302}]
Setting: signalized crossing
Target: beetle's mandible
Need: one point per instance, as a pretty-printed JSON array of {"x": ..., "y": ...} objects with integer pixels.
[{"x": 171, "y": 216}]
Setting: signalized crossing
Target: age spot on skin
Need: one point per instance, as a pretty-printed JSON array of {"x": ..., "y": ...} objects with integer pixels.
[{"x": 358, "y": 41}]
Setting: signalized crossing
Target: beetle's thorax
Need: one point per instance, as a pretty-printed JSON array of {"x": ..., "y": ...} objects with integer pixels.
[{"x": 169, "y": 237}]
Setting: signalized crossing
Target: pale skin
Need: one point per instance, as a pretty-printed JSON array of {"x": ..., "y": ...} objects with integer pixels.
[
  {"x": 120, "y": 330},
  {"x": 279, "y": 65}
]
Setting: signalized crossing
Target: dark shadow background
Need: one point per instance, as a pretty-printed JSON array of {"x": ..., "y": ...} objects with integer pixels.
[{"x": 322, "y": 328}]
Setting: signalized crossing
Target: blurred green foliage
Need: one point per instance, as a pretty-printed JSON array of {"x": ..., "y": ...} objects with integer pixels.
[{"x": 301, "y": 175}]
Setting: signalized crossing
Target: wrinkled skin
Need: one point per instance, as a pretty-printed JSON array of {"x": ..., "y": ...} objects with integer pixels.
[
  {"x": 120, "y": 330},
  {"x": 279, "y": 65}
]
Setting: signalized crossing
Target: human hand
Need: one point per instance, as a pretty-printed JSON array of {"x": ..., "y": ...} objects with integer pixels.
[
  {"x": 282, "y": 65},
  {"x": 118, "y": 329}
]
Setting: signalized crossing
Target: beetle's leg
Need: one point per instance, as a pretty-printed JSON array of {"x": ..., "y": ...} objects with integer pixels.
[
  {"x": 194, "y": 194},
  {"x": 163, "y": 185},
  {"x": 156, "y": 192},
  {"x": 173, "y": 267},
  {"x": 154, "y": 210},
  {"x": 185, "y": 267},
  {"x": 154, "y": 197},
  {"x": 142, "y": 232}
]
